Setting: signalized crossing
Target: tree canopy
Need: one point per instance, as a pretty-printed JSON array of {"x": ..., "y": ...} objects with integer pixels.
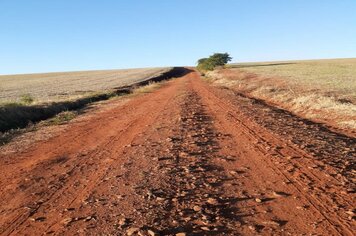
[{"x": 215, "y": 60}]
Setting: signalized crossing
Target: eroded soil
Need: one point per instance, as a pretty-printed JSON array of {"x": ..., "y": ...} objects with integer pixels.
[{"x": 187, "y": 159}]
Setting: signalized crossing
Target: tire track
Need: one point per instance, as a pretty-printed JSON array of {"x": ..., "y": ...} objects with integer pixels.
[{"x": 324, "y": 209}]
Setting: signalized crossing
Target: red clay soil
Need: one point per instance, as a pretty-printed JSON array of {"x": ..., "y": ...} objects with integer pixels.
[{"x": 187, "y": 159}]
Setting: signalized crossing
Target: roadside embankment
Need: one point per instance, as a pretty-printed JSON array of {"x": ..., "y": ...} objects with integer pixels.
[
  {"x": 307, "y": 98},
  {"x": 17, "y": 115}
]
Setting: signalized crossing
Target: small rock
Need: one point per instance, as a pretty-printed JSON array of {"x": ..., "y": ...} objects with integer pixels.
[
  {"x": 149, "y": 194},
  {"x": 350, "y": 190},
  {"x": 39, "y": 219},
  {"x": 123, "y": 221},
  {"x": 350, "y": 212},
  {"x": 258, "y": 200},
  {"x": 183, "y": 154},
  {"x": 70, "y": 209},
  {"x": 233, "y": 172},
  {"x": 88, "y": 218},
  {"x": 181, "y": 234},
  {"x": 151, "y": 233},
  {"x": 212, "y": 201},
  {"x": 197, "y": 208},
  {"x": 271, "y": 222},
  {"x": 131, "y": 231},
  {"x": 183, "y": 194},
  {"x": 67, "y": 221},
  {"x": 205, "y": 228}
]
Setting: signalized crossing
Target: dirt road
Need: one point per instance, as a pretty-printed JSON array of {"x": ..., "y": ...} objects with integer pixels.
[{"x": 188, "y": 158}]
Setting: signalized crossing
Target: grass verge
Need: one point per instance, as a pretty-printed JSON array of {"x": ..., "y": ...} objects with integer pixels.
[
  {"x": 323, "y": 91},
  {"x": 63, "y": 116},
  {"x": 147, "y": 89},
  {"x": 20, "y": 115}
]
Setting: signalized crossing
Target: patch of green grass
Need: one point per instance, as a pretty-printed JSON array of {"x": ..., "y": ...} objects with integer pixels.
[
  {"x": 61, "y": 118},
  {"x": 26, "y": 99},
  {"x": 19, "y": 115},
  {"x": 147, "y": 88}
]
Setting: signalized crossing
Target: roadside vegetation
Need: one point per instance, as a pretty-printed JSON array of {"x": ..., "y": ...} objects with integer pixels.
[
  {"x": 322, "y": 90},
  {"x": 214, "y": 61},
  {"x": 59, "y": 119},
  {"x": 147, "y": 89},
  {"x": 19, "y": 115},
  {"x": 26, "y": 99},
  {"x": 22, "y": 116}
]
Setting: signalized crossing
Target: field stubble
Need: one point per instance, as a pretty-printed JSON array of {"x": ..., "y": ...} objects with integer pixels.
[
  {"x": 62, "y": 86},
  {"x": 322, "y": 90}
]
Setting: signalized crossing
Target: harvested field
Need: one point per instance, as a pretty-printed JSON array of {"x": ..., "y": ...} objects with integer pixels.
[
  {"x": 322, "y": 90},
  {"x": 328, "y": 77},
  {"x": 54, "y": 87}
]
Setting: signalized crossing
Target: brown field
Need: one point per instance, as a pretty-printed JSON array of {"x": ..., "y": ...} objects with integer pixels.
[
  {"x": 50, "y": 87},
  {"x": 322, "y": 90}
]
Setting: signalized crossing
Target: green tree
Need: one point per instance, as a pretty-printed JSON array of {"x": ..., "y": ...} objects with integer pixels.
[
  {"x": 210, "y": 63},
  {"x": 202, "y": 60},
  {"x": 220, "y": 59}
]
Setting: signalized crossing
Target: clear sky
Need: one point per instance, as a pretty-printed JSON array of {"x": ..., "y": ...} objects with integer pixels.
[{"x": 67, "y": 35}]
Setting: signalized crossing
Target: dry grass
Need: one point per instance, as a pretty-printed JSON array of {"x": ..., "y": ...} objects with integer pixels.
[
  {"x": 25, "y": 109},
  {"x": 23, "y": 112},
  {"x": 336, "y": 76},
  {"x": 323, "y": 90},
  {"x": 54, "y": 87},
  {"x": 61, "y": 118},
  {"x": 148, "y": 88}
]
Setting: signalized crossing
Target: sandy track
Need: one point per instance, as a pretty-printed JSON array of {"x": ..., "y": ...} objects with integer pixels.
[{"x": 187, "y": 158}]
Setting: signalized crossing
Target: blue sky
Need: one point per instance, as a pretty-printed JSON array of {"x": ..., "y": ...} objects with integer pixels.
[{"x": 67, "y": 35}]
